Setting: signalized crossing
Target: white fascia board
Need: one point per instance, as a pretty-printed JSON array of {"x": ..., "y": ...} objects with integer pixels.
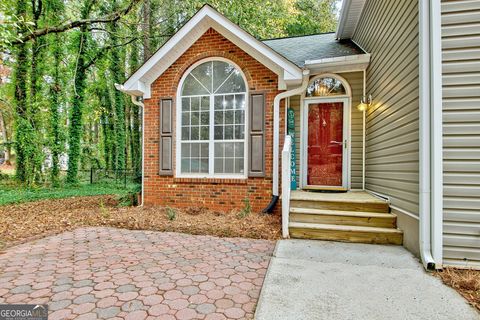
[
  {"x": 138, "y": 86},
  {"x": 352, "y": 63},
  {"x": 192, "y": 30},
  {"x": 138, "y": 89},
  {"x": 343, "y": 18},
  {"x": 167, "y": 47},
  {"x": 349, "y": 17}
]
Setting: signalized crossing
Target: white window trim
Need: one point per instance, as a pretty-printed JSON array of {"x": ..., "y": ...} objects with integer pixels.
[
  {"x": 346, "y": 85},
  {"x": 211, "y": 140}
]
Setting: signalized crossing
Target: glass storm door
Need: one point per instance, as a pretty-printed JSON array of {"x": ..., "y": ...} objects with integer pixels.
[{"x": 325, "y": 148}]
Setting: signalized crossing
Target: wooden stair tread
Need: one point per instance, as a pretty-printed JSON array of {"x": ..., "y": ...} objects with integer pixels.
[
  {"x": 349, "y": 197},
  {"x": 343, "y": 228},
  {"x": 297, "y": 210},
  {"x": 315, "y": 188}
]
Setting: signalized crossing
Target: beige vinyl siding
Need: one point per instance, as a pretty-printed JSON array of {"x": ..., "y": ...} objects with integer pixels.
[
  {"x": 388, "y": 30},
  {"x": 355, "y": 80},
  {"x": 461, "y": 131}
]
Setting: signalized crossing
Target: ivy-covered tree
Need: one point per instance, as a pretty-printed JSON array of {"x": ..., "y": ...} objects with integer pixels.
[
  {"x": 117, "y": 75},
  {"x": 79, "y": 84},
  {"x": 24, "y": 136},
  {"x": 67, "y": 55}
]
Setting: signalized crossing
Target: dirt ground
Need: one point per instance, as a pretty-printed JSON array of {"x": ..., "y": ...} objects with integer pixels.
[
  {"x": 466, "y": 282},
  {"x": 23, "y": 222}
]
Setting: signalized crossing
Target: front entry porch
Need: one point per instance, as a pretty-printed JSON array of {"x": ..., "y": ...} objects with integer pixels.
[
  {"x": 354, "y": 216},
  {"x": 327, "y": 131},
  {"x": 323, "y": 167}
]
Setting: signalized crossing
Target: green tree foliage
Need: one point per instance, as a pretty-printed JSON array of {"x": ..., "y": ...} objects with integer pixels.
[
  {"x": 118, "y": 77},
  {"x": 66, "y": 56},
  {"x": 307, "y": 15},
  {"x": 24, "y": 132},
  {"x": 78, "y": 96}
]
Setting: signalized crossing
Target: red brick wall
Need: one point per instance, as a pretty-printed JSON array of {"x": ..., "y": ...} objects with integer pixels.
[{"x": 216, "y": 194}]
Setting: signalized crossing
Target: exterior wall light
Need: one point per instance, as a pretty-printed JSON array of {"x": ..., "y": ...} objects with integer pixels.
[{"x": 365, "y": 103}]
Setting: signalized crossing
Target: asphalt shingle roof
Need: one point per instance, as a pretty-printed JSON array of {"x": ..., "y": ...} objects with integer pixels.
[{"x": 313, "y": 47}]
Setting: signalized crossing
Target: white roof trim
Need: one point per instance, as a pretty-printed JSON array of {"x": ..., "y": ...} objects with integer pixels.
[
  {"x": 358, "y": 62},
  {"x": 349, "y": 17},
  {"x": 139, "y": 83}
]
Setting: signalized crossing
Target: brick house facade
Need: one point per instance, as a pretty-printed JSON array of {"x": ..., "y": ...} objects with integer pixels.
[
  {"x": 213, "y": 193},
  {"x": 356, "y": 116}
]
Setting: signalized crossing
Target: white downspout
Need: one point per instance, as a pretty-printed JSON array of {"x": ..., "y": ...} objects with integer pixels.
[
  {"x": 436, "y": 131},
  {"x": 430, "y": 143},
  {"x": 364, "y": 129},
  {"x": 276, "y": 126},
  {"x": 121, "y": 88}
]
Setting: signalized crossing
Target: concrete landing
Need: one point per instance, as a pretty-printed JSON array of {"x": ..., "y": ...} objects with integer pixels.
[{"x": 330, "y": 280}]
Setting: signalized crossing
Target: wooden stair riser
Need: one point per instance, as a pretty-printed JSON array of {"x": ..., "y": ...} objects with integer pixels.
[
  {"x": 347, "y": 236},
  {"x": 380, "y": 222},
  {"x": 341, "y": 206}
]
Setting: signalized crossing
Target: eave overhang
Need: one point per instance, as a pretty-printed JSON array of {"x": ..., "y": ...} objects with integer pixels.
[{"x": 351, "y": 63}]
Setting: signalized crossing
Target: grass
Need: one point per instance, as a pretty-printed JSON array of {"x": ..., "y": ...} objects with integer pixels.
[{"x": 10, "y": 194}]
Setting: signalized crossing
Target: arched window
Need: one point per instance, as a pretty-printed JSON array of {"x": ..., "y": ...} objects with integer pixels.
[
  {"x": 324, "y": 87},
  {"x": 212, "y": 122}
]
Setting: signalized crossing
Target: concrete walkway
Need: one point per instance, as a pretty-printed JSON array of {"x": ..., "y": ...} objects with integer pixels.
[{"x": 331, "y": 280}]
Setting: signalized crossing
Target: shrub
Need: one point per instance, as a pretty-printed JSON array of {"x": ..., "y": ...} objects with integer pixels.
[
  {"x": 171, "y": 214},
  {"x": 246, "y": 210}
]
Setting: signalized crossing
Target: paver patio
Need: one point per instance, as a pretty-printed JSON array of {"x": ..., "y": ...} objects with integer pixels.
[{"x": 109, "y": 273}]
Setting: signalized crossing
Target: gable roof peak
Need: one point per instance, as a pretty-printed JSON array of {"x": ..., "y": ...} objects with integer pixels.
[{"x": 207, "y": 17}]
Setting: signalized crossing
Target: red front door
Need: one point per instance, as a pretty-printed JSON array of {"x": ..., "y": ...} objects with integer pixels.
[{"x": 325, "y": 144}]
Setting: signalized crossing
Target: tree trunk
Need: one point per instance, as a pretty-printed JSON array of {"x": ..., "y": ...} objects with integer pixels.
[
  {"x": 146, "y": 29},
  {"x": 134, "y": 120},
  {"x": 3, "y": 130},
  {"x": 55, "y": 91},
  {"x": 107, "y": 120},
  {"x": 75, "y": 130},
  {"x": 115, "y": 63},
  {"x": 23, "y": 129}
]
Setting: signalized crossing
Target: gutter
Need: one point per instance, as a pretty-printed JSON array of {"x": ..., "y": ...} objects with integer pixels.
[
  {"x": 364, "y": 129},
  {"x": 430, "y": 135},
  {"x": 121, "y": 88},
  {"x": 356, "y": 62},
  {"x": 276, "y": 134}
]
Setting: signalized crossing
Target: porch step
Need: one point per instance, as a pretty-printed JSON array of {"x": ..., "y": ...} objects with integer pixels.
[
  {"x": 336, "y": 217},
  {"x": 346, "y": 233},
  {"x": 349, "y": 201},
  {"x": 316, "y": 188}
]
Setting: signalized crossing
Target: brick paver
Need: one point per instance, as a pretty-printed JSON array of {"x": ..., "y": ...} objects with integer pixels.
[{"x": 102, "y": 273}]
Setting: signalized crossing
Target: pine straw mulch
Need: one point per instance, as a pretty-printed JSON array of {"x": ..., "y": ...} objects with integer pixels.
[
  {"x": 20, "y": 223},
  {"x": 465, "y": 281}
]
